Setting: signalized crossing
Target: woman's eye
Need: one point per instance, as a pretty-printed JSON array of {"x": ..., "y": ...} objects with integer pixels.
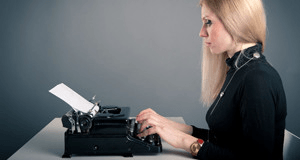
[{"x": 208, "y": 22}]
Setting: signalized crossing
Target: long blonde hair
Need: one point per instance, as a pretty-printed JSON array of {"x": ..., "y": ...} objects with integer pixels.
[{"x": 245, "y": 21}]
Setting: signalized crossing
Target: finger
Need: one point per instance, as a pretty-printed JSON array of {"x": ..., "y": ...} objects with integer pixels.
[
  {"x": 152, "y": 130},
  {"x": 150, "y": 114},
  {"x": 151, "y": 121},
  {"x": 143, "y": 134},
  {"x": 144, "y": 111},
  {"x": 144, "y": 125},
  {"x": 143, "y": 117},
  {"x": 149, "y": 110},
  {"x": 147, "y": 132}
]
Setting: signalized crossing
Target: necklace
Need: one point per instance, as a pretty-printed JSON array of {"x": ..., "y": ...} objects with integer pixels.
[{"x": 255, "y": 56}]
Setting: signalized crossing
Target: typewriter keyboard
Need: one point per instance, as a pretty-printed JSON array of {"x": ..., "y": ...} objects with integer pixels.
[{"x": 134, "y": 129}]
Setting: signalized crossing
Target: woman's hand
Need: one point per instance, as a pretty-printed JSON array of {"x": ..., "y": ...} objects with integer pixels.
[
  {"x": 176, "y": 134},
  {"x": 148, "y": 118}
]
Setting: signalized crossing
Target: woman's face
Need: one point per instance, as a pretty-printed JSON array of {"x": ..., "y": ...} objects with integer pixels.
[{"x": 215, "y": 35}]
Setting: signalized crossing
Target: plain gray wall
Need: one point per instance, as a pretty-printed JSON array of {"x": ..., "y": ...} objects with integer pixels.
[{"x": 137, "y": 53}]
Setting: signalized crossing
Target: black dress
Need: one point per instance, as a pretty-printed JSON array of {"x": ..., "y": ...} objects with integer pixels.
[{"x": 248, "y": 122}]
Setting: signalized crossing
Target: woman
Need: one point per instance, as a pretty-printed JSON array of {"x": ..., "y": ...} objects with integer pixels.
[{"x": 247, "y": 111}]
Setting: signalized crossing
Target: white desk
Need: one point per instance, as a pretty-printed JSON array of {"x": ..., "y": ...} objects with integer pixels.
[{"x": 48, "y": 144}]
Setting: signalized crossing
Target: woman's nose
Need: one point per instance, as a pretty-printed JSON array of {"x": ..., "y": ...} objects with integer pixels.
[{"x": 203, "y": 32}]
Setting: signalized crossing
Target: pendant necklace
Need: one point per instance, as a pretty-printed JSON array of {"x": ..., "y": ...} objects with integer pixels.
[{"x": 255, "y": 56}]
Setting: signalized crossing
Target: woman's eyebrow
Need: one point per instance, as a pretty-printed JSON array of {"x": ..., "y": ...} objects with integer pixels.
[{"x": 205, "y": 18}]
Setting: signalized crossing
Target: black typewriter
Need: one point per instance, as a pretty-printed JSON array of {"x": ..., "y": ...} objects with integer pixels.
[{"x": 109, "y": 131}]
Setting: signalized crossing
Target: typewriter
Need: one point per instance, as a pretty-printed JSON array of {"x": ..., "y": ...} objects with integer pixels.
[{"x": 107, "y": 131}]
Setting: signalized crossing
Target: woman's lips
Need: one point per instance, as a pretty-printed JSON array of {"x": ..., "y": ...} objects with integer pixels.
[{"x": 207, "y": 44}]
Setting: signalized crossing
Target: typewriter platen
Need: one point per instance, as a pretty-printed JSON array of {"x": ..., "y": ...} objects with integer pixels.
[{"x": 109, "y": 131}]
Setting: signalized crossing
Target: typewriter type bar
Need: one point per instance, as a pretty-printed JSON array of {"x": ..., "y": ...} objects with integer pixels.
[{"x": 108, "y": 132}]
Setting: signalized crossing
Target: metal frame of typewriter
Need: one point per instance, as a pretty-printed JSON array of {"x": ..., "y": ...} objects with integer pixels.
[{"x": 109, "y": 131}]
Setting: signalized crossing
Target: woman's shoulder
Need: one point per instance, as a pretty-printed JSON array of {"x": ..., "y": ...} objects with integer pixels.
[{"x": 260, "y": 72}]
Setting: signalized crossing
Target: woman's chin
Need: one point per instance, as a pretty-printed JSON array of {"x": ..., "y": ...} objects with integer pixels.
[{"x": 215, "y": 52}]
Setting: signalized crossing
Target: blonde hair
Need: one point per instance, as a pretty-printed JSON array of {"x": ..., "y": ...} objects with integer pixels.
[{"x": 245, "y": 21}]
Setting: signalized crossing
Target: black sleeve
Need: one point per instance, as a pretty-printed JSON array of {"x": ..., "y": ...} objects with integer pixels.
[
  {"x": 257, "y": 111},
  {"x": 200, "y": 133},
  {"x": 209, "y": 149}
]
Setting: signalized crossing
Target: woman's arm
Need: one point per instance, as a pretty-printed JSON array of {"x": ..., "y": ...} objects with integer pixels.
[{"x": 149, "y": 113}]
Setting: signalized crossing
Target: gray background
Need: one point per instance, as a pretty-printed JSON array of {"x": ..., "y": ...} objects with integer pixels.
[{"x": 137, "y": 53}]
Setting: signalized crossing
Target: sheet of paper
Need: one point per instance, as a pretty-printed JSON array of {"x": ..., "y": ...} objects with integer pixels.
[{"x": 76, "y": 101}]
